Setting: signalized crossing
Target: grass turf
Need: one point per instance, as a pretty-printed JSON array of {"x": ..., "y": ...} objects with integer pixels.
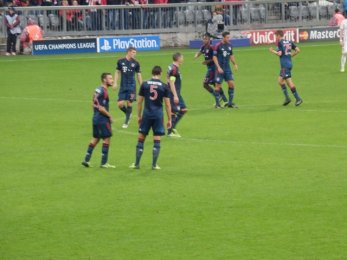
[{"x": 260, "y": 182}]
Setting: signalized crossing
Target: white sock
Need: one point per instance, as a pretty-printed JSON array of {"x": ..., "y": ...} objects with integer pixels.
[{"x": 343, "y": 61}]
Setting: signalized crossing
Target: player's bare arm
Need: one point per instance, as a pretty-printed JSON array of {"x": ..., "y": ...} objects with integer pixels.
[
  {"x": 103, "y": 111},
  {"x": 273, "y": 51},
  {"x": 215, "y": 60},
  {"x": 168, "y": 112},
  {"x": 173, "y": 89},
  {"x": 139, "y": 78},
  {"x": 139, "y": 108},
  {"x": 233, "y": 61},
  {"x": 296, "y": 52},
  {"x": 197, "y": 55},
  {"x": 116, "y": 77}
]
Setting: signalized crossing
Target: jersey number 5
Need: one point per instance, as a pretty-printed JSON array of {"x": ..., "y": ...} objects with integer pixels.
[{"x": 153, "y": 90}]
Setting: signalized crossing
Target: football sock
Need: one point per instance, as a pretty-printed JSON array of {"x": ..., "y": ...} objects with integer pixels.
[
  {"x": 285, "y": 91},
  {"x": 89, "y": 152},
  {"x": 139, "y": 151},
  {"x": 217, "y": 96},
  {"x": 123, "y": 109},
  {"x": 178, "y": 118},
  {"x": 231, "y": 95},
  {"x": 129, "y": 110},
  {"x": 104, "y": 153},
  {"x": 156, "y": 151},
  {"x": 295, "y": 93},
  {"x": 223, "y": 95},
  {"x": 343, "y": 61},
  {"x": 173, "y": 120},
  {"x": 208, "y": 88}
]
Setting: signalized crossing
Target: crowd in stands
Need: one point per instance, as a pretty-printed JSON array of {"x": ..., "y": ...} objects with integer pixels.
[{"x": 95, "y": 19}]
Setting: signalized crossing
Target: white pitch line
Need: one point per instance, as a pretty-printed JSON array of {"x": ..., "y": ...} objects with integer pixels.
[
  {"x": 202, "y": 140},
  {"x": 197, "y": 108}
]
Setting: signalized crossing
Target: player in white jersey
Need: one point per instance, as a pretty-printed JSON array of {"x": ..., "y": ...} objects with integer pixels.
[{"x": 343, "y": 41}]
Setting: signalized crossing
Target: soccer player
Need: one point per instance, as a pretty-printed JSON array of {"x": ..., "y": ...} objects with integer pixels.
[
  {"x": 284, "y": 51},
  {"x": 102, "y": 120},
  {"x": 222, "y": 56},
  {"x": 126, "y": 69},
  {"x": 343, "y": 41},
  {"x": 207, "y": 50},
  {"x": 152, "y": 93},
  {"x": 178, "y": 107}
]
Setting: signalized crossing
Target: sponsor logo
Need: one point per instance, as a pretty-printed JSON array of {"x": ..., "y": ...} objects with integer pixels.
[
  {"x": 319, "y": 34},
  {"x": 268, "y": 36},
  {"x": 65, "y": 46},
  {"x": 120, "y": 44},
  {"x": 303, "y": 35},
  {"x": 106, "y": 46}
]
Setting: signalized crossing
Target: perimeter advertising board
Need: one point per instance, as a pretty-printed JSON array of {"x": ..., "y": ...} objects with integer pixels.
[
  {"x": 260, "y": 37},
  {"x": 120, "y": 44},
  {"x": 64, "y": 46},
  {"x": 319, "y": 34}
]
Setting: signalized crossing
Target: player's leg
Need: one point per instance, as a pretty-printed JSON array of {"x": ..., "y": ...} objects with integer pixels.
[
  {"x": 106, "y": 133},
  {"x": 228, "y": 76},
  {"x": 93, "y": 142},
  {"x": 181, "y": 112},
  {"x": 343, "y": 56},
  {"x": 156, "y": 151},
  {"x": 217, "y": 93},
  {"x": 139, "y": 151},
  {"x": 208, "y": 81},
  {"x": 122, "y": 105},
  {"x": 158, "y": 131},
  {"x": 283, "y": 86},
  {"x": 174, "y": 112},
  {"x": 129, "y": 109},
  {"x": 294, "y": 91},
  {"x": 144, "y": 128}
]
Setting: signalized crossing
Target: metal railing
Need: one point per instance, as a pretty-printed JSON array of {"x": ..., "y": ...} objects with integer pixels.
[{"x": 174, "y": 18}]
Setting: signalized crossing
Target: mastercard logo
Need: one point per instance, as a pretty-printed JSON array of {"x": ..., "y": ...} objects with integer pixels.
[{"x": 303, "y": 36}]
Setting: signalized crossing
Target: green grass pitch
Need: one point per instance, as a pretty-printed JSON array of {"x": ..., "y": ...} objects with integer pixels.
[{"x": 260, "y": 182}]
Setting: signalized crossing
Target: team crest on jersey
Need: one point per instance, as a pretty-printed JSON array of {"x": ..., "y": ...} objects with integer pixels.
[{"x": 132, "y": 65}]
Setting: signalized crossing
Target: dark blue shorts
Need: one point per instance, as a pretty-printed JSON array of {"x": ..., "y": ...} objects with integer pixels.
[
  {"x": 209, "y": 77},
  {"x": 227, "y": 75},
  {"x": 155, "y": 124},
  {"x": 181, "y": 104},
  {"x": 102, "y": 130},
  {"x": 127, "y": 94},
  {"x": 286, "y": 73}
]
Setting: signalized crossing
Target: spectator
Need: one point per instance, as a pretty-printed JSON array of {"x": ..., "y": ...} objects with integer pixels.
[
  {"x": 236, "y": 9},
  {"x": 344, "y": 5},
  {"x": 219, "y": 10},
  {"x": 95, "y": 15},
  {"x": 12, "y": 23},
  {"x": 66, "y": 15},
  {"x": 32, "y": 32},
  {"x": 77, "y": 17},
  {"x": 337, "y": 19},
  {"x": 113, "y": 15},
  {"x": 164, "y": 11}
]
